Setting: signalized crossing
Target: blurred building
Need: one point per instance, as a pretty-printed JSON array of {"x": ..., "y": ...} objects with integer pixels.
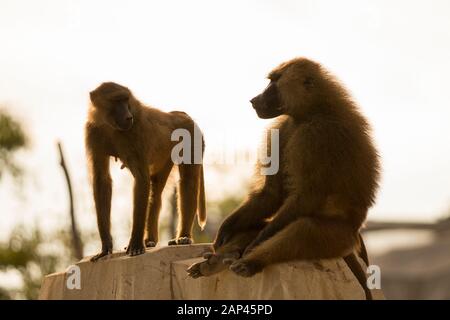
[{"x": 421, "y": 272}]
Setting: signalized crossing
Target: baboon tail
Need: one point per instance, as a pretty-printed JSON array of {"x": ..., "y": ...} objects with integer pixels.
[
  {"x": 201, "y": 211},
  {"x": 358, "y": 271},
  {"x": 363, "y": 251}
]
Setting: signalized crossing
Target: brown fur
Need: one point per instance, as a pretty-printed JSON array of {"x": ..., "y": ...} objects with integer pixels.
[
  {"x": 119, "y": 126},
  {"x": 314, "y": 207}
]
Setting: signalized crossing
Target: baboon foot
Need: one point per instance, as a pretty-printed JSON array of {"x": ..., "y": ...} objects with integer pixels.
[
  {"x": 100, "y": 255},
  {"x": 135, "y": 249},
  {"x": 180, "y": 240},
  {"x": 150, "y": 243}
]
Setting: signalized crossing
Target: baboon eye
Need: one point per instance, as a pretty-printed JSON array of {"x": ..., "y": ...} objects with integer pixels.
[
  {"x": 274, "y": 77},
  {"x": 119, "y": 98},
  {"x": 273, "y": 81}
]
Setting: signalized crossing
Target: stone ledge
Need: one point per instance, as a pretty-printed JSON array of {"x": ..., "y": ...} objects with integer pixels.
[{"x": 160, "y": 273}]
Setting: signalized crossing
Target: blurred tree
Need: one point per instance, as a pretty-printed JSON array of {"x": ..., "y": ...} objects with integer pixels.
[
  {"x": 32, "y": 256},
  {"x": 27, "y": 253},
  {"x": 12, "y": 138},
  {"x": 77, "y": 243}
]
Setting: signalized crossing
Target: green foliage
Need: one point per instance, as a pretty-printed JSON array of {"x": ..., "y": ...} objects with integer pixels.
[
  {"x": 27, "y": 252},
  {"x": 12, "y": 138},
  {"x": 227, "y": 205},
  {"x": 217, "y": 212}
]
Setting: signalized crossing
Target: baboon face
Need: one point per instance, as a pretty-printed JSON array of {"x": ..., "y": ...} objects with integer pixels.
[
  {"x": 112, "y": 103},
  {"x": 290, "y": 90},
  {"x": 267, "y": 104}
]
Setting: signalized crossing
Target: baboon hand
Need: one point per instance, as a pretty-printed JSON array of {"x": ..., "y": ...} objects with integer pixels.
[
  {"x": 209, "y": 266},
  {"x": 101, "y": 255},
  {"x": 150, "y": 243},
  {"x": 194, "y": 271},
  {"x": 213, "y": 263}
]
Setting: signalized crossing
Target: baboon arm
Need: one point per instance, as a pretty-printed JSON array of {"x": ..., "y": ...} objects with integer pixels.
[
  {"x": 255, "y": 210},
  {"x": 285, "y": 215},
  {"x": 251, "y": 215},
  {"x": 260, "y": 205}
]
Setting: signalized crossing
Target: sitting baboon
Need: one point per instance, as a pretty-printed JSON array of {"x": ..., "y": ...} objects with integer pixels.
[
  {"x": 119, "y": 126},
  {"x": 315, "y": 205}
]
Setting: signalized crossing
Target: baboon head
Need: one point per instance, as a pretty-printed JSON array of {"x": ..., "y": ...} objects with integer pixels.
[
  {"x": 111, "y": 102},
  {"x": 292, "y": 90}
]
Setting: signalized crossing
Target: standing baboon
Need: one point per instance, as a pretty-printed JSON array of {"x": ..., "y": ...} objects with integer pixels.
[
  {"x": 119, "y": 126},
  {"x": 314, "y": 207}
]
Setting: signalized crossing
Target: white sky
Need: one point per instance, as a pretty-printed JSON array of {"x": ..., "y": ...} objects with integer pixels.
[{"x": 209, "y": 58}]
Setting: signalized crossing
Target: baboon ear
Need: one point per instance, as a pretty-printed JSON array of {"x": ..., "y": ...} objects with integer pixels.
[{"x": 308, "y": 82}]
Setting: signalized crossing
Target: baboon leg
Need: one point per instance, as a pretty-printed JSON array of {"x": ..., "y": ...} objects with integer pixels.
[
  {"x": 140, "y": 199},
  {"x": 356, "y": 268},
  {"x": 187, "y": 202},
  {"x": 158, "y": 183},
  {"x": 252, "y": 214},
  {"x": 287, "y": 213},
  {"x": 102, "y": 186},
  {"x": 307, "y": 238}
]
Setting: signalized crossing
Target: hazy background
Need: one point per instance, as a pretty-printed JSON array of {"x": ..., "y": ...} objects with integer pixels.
[{"x": 209, "y": 58}]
